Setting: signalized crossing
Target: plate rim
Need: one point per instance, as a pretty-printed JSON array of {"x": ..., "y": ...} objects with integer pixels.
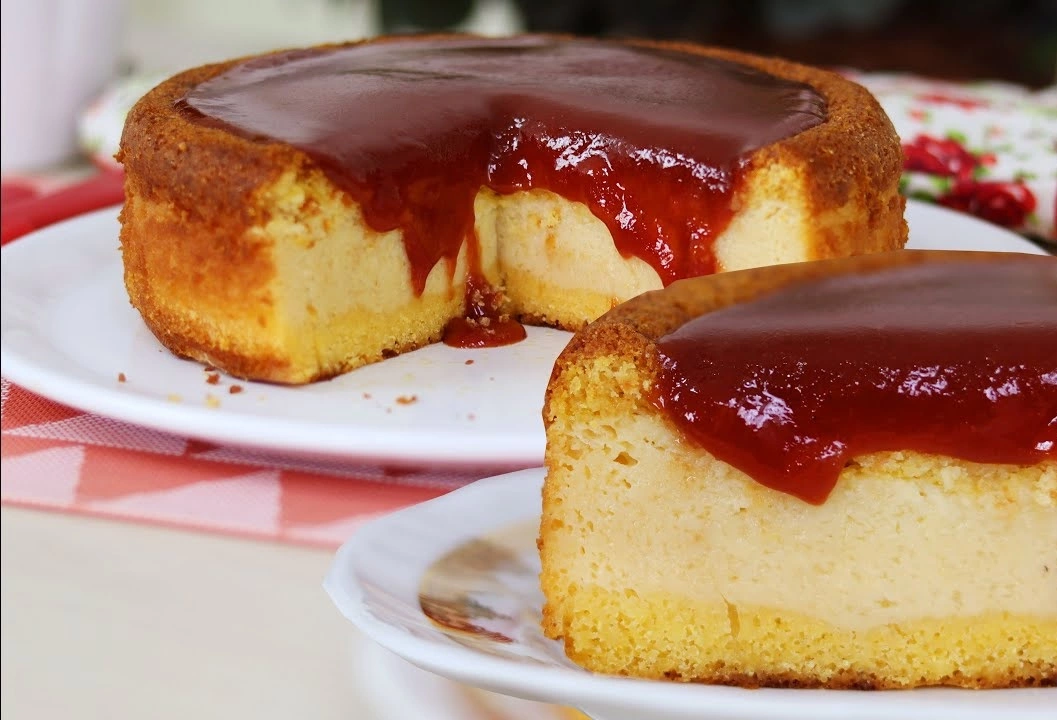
[
  {"x": 508, "y": 449},
  {"x": 344, "y": 586},
  {"x": 447, "y": 449}
]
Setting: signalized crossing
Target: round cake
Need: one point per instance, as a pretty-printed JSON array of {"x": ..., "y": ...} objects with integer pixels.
[
  {"x": 837, "y": 474},
  {"x": 295, "y": 215}
]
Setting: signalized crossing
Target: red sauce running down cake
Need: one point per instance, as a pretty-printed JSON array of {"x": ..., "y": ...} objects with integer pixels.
[
  {"x": 836, "y": 474},
  {"x": 295, "y": 215}
]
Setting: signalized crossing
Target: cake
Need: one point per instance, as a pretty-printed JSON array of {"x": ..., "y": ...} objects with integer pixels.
[
  {"x": 838, "y": 474},
  {"x": 295, "y": 215}
]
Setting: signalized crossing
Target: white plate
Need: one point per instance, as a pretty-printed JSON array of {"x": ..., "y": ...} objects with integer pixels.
[
  {"x": 470, "y": 557},
  {"x": 68, "y": 331}
]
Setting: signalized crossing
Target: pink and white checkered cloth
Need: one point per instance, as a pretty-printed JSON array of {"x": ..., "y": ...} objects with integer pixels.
[{"x": 57, "y": 458}]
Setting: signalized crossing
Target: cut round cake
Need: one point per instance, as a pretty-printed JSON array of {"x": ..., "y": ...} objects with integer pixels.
[
  {"x": 292, "y": 216},
  {"x": 837, "y": 474}
]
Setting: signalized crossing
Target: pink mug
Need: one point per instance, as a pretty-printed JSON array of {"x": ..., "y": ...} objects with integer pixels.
[{"x": 56, "y": 56}]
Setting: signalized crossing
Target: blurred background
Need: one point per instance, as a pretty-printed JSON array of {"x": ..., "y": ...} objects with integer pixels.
[
  {"x": 75, "y": 49},
  {"x": 1011, "y": 40}
]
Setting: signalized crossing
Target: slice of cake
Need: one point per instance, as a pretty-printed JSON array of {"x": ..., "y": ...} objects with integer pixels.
[
  {"x": 839, "y": 474},
  {"x": 292, "y": 216}
]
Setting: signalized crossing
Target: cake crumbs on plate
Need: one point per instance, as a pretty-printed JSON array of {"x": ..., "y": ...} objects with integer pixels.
[
  {"x": 366, "y": 396},
  {"x": 213, "y": 378},
  {"x": 212, "y": 401},
  {"x": 407, "y": 399},
  {"x": 173, "y": 397},
  {"x": 121, "y": 377},
  {"x": 234, "y": 389},
  {"x": 469, "y": 362}
]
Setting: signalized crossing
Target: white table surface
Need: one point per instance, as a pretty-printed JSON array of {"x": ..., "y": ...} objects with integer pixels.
[
  {"x": 116, "y": 620},
  {"x": 109, "y": 620}
]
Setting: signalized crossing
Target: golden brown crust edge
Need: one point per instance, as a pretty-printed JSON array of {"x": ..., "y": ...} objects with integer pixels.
[
  {"x": 631, "y": 329},
  {"x": 208, "y": 180}
]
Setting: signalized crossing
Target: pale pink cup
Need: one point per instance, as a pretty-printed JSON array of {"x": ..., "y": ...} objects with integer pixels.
[{"x": 57, "y": 55}]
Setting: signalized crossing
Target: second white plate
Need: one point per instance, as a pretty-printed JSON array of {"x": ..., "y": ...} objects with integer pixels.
[
  {"x": 68, "y": 332},
  {"x": 452, "y": 586}
]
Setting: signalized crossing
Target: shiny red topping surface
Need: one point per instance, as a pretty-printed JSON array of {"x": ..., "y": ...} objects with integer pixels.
[
  {"x": 650, "y": 140},
  {"x": 952, "y": 358}
]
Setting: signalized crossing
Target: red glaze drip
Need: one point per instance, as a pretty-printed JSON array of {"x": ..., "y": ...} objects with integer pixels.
[
  {"x": 485, "y": 324},
  {"x": 956, "y": 359},
  {"x": 483, "y": 330},
  {"x": 650, "y": 140}
]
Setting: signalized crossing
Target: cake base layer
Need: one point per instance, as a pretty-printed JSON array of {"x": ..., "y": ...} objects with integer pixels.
[{"x": 665, "y": 636}]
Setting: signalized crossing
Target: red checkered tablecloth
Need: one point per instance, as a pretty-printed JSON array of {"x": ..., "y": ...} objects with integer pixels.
[{"x": 58, "y": 458}]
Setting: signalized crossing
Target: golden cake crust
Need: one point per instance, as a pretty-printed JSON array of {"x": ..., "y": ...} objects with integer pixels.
[{"x": 209, "y": 183}]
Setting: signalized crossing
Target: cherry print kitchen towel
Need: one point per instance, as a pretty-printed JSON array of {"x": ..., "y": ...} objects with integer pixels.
[{"x": 988, "y": 149}]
